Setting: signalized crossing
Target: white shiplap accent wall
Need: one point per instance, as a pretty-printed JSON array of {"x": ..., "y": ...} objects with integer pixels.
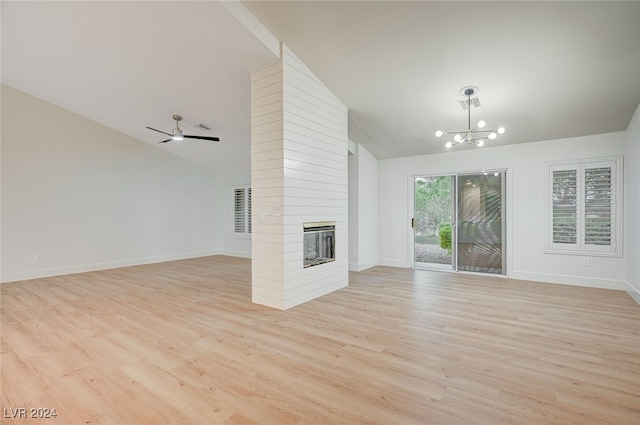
[
  {"x": 299, "y": 174},
  {"x": 267, "y": 186}
]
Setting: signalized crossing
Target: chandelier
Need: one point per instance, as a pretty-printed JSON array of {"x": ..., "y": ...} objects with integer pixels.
[{"x": 474, "y": 135}]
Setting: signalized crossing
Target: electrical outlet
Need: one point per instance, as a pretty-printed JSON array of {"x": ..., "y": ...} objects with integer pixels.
[
  {"x": 586, "y": 262},
  {"x": 39, "y": 256}
]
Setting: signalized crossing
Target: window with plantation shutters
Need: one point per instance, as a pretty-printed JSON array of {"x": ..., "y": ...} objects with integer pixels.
[
  {"x": 242, "y": 210},
  {"x": 598, "y": 206},
  {"x": 565, "y": 206},
  {"x": 584, "y": 217}
]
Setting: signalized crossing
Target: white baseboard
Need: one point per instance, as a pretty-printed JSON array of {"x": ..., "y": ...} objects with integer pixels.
[
  {"x": 633, "y": 292},
  {"x": 394, "y": 263},
  {"x": 59, "y": 271},
  {"x": 570, "y": 280},
  {"x": 362, "y": 266},
  {"x": 241, "y": 254}
]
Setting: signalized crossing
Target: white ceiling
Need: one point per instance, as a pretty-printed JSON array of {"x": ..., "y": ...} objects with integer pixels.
[{"x": 546, "y": 70}]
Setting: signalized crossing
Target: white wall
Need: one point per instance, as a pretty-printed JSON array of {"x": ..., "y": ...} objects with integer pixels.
[
  {"x": 632, "y": 206},
  {"x": 525, "y": 206},
  {"x": 299, "y": 174},
  {"x": 354, "y": 246},
  {"x": 363, "y": 210},
  {"x": 87, "y": 197}
]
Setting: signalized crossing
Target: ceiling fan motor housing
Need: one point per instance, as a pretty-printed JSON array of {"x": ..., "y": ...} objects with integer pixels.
[{"x": 177, "y": 135}]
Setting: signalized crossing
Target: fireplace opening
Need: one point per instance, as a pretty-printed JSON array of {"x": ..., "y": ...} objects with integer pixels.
[{"x": 319, "y": 243}]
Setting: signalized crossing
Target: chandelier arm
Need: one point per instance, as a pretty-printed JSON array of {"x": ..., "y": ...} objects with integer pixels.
[
  {"x": 480, "y": 131},
  {"x": 473, "y": 131}
]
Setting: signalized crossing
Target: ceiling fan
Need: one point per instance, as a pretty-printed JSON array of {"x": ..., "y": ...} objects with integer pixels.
[{"x": 177, "y": 135}]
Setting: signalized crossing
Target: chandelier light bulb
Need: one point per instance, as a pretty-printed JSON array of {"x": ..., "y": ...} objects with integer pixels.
[
  {"x": 481, "y": 124},
  {"x": 480, "y": 143},
  {"x": 439, "y": 133},
  {"x": 448, "y": 145},
  {"x": 501, "y": 130},
  {"x": 457, "y": 138},
  {"x": 492, "y": 135}
]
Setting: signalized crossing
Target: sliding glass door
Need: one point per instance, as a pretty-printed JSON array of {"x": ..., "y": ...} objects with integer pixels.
[
  {"x": 432, "y": 222},
  {"x": 459, "y": 222},
  {"x": 480, "y": 223}
]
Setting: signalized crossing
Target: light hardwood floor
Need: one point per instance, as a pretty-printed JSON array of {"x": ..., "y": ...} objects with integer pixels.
[{"x": 181, "y": 343}]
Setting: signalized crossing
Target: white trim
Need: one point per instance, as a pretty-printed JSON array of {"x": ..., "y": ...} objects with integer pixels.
[
  {"x": 251, "y": 23},
  {"x": 232, "y": 253},
  {"x": 633, "y": 292},
  {"x": 411, "y": 208},
  {"x": 591, "y": 282},
  {"x": 353, "y": 267},
  {"x": 353, "y": 148},
  {"x": 394, "y": 263}
]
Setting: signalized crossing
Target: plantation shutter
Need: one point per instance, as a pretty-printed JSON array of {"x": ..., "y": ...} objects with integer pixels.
[
  {"x": 240, "y": 210},
  {"x": 599, "y": 207},
  {"x": 583, "y": 213},
  {"x": 565, "y": 206}
]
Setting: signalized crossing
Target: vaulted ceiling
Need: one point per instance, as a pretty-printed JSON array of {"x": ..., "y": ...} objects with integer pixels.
[
  {"x": 546, "y": 70},
  {"x": 132, "y": 64}
]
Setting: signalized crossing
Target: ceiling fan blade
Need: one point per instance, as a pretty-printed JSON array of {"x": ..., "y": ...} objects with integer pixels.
[
  {"x": 165, "y": 141},
  {"x": 213, "y": 139},
  {"x": 159, "y": 131}
]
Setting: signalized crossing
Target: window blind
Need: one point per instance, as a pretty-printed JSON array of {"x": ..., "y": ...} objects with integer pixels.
[
  {"x": 242, "y": 210},
  {"x": 598, "y": 206},
  {"x": 565, "y": 206}
]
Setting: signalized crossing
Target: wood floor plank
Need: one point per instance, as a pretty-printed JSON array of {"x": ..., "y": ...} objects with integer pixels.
[{"x": 181, "y": 343}]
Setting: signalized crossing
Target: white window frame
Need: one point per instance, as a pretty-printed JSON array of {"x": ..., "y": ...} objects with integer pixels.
[
  {"x": 580, "y": 247},
  {"x": 242, "y": 218}
]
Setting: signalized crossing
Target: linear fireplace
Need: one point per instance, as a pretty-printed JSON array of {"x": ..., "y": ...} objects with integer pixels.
[{"x": 319, "y": 242}]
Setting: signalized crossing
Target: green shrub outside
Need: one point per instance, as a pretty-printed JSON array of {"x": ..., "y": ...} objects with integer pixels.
[{"x": 445, "y": 236}]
